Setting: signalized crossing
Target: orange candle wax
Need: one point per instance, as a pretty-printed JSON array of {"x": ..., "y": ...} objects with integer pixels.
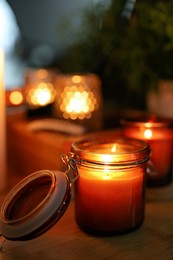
[
  {"x": 159, "y": 135},
  {"x": 110, "y": 202},
  {"x": 109, "y": 192}
]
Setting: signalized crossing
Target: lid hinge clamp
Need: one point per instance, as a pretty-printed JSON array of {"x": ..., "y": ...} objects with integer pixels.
[
  {"x": 72, "y": 164},
  {"x": 3, "y": 242}
]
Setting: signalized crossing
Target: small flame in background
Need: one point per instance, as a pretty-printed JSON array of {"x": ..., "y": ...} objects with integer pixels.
[
  {"x": 77, "y": 101},
  {"x": 148, "y": 133},
  {"x": 41, "y": 94},
  {"x": 39, "y": 87}
]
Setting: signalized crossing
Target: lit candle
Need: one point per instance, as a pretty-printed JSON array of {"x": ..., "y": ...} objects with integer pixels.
[
  {"x": 39, "y": 88},
  {"x": 3, "y": 124},
  {"x": 158, "y": 133},
  {"x": 109, "y": 192},
  {"x": 39, "y": 91},
  {"x": 79, "y": 98}
]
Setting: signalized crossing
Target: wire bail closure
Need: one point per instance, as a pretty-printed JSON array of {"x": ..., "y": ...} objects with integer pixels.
[
  {"x": 71, "y": 164},
  {"x": 2, "y": 244},
  {"x": 54, "y": 188},
  {"x": 151, "y": 169}
]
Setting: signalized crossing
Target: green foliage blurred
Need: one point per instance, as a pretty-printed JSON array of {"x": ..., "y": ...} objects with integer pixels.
[{"x": 129, "y": 45}]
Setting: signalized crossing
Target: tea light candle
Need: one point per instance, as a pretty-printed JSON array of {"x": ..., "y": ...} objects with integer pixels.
[
  {"x": 39, "y": 91},
  {"x": 3, "y": 124},
  {"x": 109, "y": 192},
  {"x": 159, "y": 135},
  {"x": 79, "y": 99},
  {"x": 39, "y": 87}
]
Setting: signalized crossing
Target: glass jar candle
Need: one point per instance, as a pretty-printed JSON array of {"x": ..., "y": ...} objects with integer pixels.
[
  {"x": 159, "y": 134},
  {"x": 109, "y": 191}
]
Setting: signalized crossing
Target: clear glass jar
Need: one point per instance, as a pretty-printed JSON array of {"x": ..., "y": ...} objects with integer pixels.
[
  {"x": 158, "y": 133},
  {"x": 109, "y": 191}
]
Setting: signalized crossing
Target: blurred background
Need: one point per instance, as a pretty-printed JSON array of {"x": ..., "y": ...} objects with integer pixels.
[
  {"x": 127, "y": 43},
  {"x": 74, "y": 67},
  {"x": 36, "y": 34}
]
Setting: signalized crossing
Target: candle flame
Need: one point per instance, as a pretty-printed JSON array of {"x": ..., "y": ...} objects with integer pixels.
[
  {"x": 148, "y": 133},
  {"x": 78, "y": 102},
  {"x": 41, "y": 95},
  {"x": 113, "y": 150}
]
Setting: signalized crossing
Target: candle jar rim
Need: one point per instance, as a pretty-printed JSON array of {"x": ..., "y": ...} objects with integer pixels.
[
  {"x": 90, "y": 150},
  {"x": 147, "y": 121}
]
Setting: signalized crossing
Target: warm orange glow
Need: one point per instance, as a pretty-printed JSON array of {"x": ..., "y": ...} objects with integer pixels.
[
  {"x": 106, "y": 175},
  {"x": 76, "y": 79},
  {"x": 16, "y": 97},
  {"x": 148, "y": 133},
  {"x": 42, "y": 73},
  {"x": 148, "y": 124},
  {"x": 78, "y": 102},
  {"x": 107, "y": 158},
  {"x": 41, "y": 95},
  {"x": 113, "y": 150}
]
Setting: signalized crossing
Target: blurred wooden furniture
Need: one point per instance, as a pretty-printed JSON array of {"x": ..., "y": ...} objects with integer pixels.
[{"x": 30, "y": 151}]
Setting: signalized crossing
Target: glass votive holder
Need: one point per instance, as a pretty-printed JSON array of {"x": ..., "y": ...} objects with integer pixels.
[
  {"x": 79, "y": 99},
  {"x": 109, "y": 191},
  {"x": 39, "y": 91},
  {"x": 158, "y": 133}
]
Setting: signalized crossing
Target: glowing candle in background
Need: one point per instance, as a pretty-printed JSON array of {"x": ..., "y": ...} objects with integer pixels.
[
  {"x": 39, "y": 88},
  {"x": 159, "y": 134},
  {"x": 2, "y": 124},
  {"x": 109, "y": 192},
  {"x": 39, "y": 91},
  {"x": 79, "y": 99}
]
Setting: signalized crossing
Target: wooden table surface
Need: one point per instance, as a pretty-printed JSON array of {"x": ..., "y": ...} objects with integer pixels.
[{"x": 65, "y": 240}]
